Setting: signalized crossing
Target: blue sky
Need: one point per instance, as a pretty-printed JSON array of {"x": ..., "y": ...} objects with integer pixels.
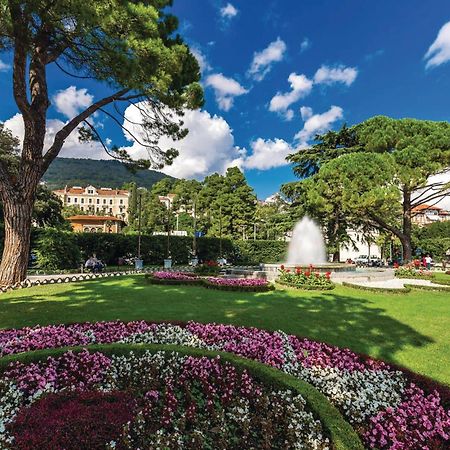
[{"x": 276, "y": 72}]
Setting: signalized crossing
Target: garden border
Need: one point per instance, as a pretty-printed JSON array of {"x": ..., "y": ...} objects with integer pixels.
[
  {"x": 422, "y": 287},
  {"x": 342, "y": 434},
  {"x": 203, "y": 282},
  {"x": 404, "y": 290},
  {"x": 305, "y": 287}
]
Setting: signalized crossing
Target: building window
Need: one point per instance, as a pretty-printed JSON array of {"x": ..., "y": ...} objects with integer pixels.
[
  {"x": 68, "y": 199},
  {"x": 104, "y": 201},
  {"x": 82, "y": 208},
  {"x": 110, "y": 210},
  {"x": 98, "y": 201},
  {"x": 75, "y": 200},
  {"x": 90, "y": 200},
  {"x": 110, "y": 201},
  {"x": 82, "y": 200},
  {"x": 121, "y": 201},
  {"x": 90, "y": 191}
]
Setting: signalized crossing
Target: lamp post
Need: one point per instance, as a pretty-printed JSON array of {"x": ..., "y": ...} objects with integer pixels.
[{"x": 220, "y": 232}]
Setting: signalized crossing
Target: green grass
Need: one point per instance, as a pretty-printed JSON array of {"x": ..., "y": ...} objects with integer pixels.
[{"x": 411, "y": 329}]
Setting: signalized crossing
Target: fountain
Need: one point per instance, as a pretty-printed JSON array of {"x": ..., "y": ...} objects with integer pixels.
[{"x": 306, "y": 247}]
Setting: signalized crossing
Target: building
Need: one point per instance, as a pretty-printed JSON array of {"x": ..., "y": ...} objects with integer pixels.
[
  {"x": 167, "y": 200},
  {"x": 96, "y": 224},
  {"x": 361, "y": 246},
  {"x": 423, "y": 215},
  {"x": 97, "y": 201}
]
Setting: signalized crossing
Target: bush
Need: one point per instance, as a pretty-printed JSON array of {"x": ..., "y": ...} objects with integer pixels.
[
  {"x": 435, "y": 247},
  {"x": 307, "y": 279},
  {"x": 210, "y": 268},
  {"x": 56, "y": 249},
  {"x": 255, "y": 252}
]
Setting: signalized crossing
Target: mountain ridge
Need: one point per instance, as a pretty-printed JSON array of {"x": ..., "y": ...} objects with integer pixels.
[{"x": 98, "y": 172}]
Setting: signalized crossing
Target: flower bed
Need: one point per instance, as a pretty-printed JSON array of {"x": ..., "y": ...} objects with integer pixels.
[
  {"x": 208, "y": 268},
  {"x": 238, "y": 284},
  {"x": 148, "y": 398},
  {"x": 227, "y": 284},
  {"x": 305, "y": 279},
  {"x": 381, "y": 402},
  {"x": 173, "y": 278},
  {"x": 411, "y": 271}
]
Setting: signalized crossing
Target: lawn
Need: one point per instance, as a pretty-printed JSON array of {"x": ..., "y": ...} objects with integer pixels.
[{"x": 411, "y": 329}]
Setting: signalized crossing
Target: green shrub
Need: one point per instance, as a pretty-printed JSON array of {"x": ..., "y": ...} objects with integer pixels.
[
  {"x": 255, "y": 252},
  {"x": 208, "y": 268},
  {"x": 436, "y": 247},
  {"x": 56, "y": 249}
]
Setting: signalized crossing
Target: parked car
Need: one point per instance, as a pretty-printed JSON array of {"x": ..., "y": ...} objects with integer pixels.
[
  {"x": 375, "y": 261},
  {"x": 362, "y": 260}
]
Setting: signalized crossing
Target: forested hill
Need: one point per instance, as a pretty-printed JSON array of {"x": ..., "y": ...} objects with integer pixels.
[{"x": 100, "y": 173}]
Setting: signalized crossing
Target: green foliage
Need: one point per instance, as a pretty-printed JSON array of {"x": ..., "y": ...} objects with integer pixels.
[
  {"x": 305, "y": 279},
  {"x": 435, "y": 230},
  {"x": 256, "y": 252},
  {"x": 368, "y": 175},
  {"x": 109, "y": 247},
  {"x": 48, "y": 210},
  {"x": 101, "y": 173},
  {"x": 208, "y": 268},
  {"x": 436, "y": 247},
  {"x": 56, "y": 249}
]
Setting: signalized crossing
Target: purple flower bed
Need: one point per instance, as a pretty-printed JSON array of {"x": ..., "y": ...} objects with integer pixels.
[
  {"x": 177, "y": 276},
  {"x": 240, "y": 284},
  {"x": 384, "y": 404}
]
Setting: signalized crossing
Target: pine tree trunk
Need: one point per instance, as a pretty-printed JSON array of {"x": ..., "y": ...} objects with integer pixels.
[{"x": 16, "y": 250}]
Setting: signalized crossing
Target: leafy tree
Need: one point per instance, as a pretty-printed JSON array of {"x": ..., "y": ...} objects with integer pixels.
[
  {"x": 417, "y": 150},
  {"x": 48, "y": 210},
  {"x": 131, "y": 47}
]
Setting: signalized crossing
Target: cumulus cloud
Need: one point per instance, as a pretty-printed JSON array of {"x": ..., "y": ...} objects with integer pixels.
[
  {"x": 226, "y": 89},
  {"x": 267, "y": 154},
  {"x": 201, "y": 59},
  {"x": 300, "y": 87},
  {"x": 4, "y": 67},
  {"x": 317, "y": 123},
  {"x": 306, "y": 112},
  {"x": 228, "y": 11},
  {"x": 72, "y": 147},
  {"x": 263, "y": 60},
  {"x": 439, "y": 51},
  {"x": 209, "y": 146},
  {"x": 338, "y": 74},
  {"x": 71, "y": 101}
]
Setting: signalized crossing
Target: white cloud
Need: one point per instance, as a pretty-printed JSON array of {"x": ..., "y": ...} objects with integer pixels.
[
  {"x": 263, "y": 60},
  {"x": 72, "y": 101},
  {"x": 267, "y": 154},
  {"x": 306, "y": 43},
  {"x": 201, "y": 59},
  {"x": 4, "y": 67},
  {"x": 306, "y": 112},
  {"x": 72, "y": 147},
  {"x": 209, "y": 146},
  {"x": 338, "y": 74},
  {"x": 289, "y": 115},
  {"x": 317, "y": 123},
  {"x": 300, "y": 87},
  {"x": 226, "y": 89},
  {"x": 439, "y": 51},
  {"x": 228, "y": 11}
]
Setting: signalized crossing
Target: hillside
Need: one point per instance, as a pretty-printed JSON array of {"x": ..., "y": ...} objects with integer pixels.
[{"x": 100, "y": 173}]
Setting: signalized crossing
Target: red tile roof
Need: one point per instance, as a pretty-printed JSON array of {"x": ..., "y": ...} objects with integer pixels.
[
  {"x": 81, "y": 191},
  {"x": 94, "y": 218}
]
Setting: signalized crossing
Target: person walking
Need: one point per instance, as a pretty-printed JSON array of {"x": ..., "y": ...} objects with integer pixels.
[{"x": 428, "y": 261}]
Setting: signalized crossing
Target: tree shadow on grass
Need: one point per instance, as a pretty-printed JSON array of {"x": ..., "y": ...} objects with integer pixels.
[{"x": 343, "y": 320}]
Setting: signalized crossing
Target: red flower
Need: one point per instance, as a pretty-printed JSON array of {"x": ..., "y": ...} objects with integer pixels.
[
  {"x": 328, "y": 275},
  {"x": 317, "y": 274},
  {"x": 396, "y": 265},
  {"x": 288, "y": 270},
  {"x": 282, "y": 267},
  {"x": 311, "y": 266},
  {"x": 308, "y": 273},
  {"x": 298, "y": 270}
]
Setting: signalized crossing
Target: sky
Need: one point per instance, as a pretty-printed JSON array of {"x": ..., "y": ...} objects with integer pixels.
[{"x": 275, "y": 73}]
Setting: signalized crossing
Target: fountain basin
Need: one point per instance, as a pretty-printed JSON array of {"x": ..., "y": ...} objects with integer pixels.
[{"x": 271, "y": 270}]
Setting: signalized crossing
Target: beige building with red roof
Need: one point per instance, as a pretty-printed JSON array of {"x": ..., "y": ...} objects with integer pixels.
[
  {"x": 97, "y": 201},
  {"x": 425, "y": 215},
  {"x": 96, "y": 224}
]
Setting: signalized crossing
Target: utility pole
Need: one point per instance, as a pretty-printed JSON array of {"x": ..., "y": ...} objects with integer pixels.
[
  {"x": 220, "y": 232},
  {"x": 194, "y": 239}
]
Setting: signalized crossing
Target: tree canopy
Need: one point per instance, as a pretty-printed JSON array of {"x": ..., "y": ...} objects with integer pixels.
[{"x": 373, "y": 175}]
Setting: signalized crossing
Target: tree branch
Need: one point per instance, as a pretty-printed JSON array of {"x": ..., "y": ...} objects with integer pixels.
[{"x": 386, "y": 226}]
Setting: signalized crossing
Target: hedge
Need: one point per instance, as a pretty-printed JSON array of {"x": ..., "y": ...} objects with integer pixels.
[
  {"x": 403, "y": 290},
  {"x": 72, "y": 248},
  {"x": 306, "y": 287},
  {"x": 343, "y": 436},
  {"x": 437, "y": 247},
  {"x": 422, "y": 287}
]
